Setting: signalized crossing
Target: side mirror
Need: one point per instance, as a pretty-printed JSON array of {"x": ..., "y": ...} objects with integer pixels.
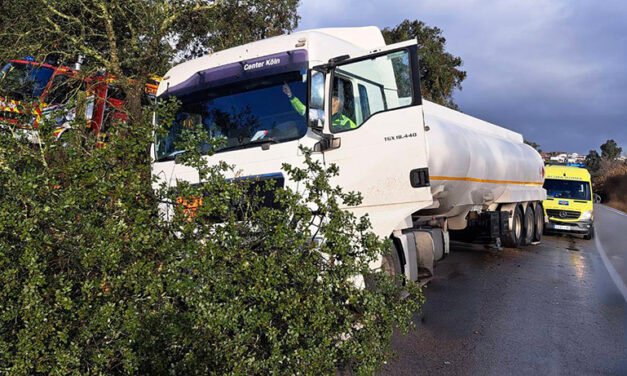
[
  {"x": 315, "y": 122},
  {"x": 327, "y": 143},
  {"x": 316, "y": 101},
  {"x": 316, "y": 94}
]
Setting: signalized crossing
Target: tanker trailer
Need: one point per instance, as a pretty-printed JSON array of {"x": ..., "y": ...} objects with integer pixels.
[
  {"x": 486, "y": 183},
  {"x": 425, "y": 172}
]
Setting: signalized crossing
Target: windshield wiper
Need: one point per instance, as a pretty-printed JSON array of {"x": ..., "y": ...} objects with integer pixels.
[
  {"x": 267, "y": 140},
  {"x": 172, "y": 156},
  {"x": 263, "y": 141}
]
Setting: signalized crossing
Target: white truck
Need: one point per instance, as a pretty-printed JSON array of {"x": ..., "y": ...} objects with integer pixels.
[{"x": 427, "y": 173}]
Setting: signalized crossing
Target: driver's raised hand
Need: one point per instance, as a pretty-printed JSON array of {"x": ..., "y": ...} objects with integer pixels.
[{"x": 287, "y": 90}]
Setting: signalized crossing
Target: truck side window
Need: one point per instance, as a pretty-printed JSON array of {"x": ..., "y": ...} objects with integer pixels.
[
  {"x": 384, "y": 84},
  {"x": 114, "y": 107},
  {"x": 342, "y": 105},
  {"x": 114, "y": 92},
  {"x": 63, "y": 88}
]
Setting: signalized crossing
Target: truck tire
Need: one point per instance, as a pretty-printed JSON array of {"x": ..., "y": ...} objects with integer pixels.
[
  {"x": 529, "y": 226},
  {"x": 539, "y": 223},
  {"x": 513, "y": 238},
  {"x": 590, "y": 234},
  {"x": 390, "y": 265}
]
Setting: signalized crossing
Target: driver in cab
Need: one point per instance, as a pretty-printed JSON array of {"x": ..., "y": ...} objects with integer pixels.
[{"x": 339, "y": 121}]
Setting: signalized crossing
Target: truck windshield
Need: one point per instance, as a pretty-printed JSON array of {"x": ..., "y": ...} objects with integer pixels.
[
  {"x": 577, "y": 190},
  {"x": 244, "y": 114},
  {"x": 23, "y": 81}
]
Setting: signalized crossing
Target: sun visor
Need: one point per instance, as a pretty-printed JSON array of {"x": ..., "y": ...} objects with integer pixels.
[{"x": 243, "y": 70}]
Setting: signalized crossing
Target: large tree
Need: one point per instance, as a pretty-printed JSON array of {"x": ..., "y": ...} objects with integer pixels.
[
  {"x": 255, "y": 19},
  {"x": 610, "y": 150},
  {"x": 133, "y": 39},
  {"x": 593, "y": 161},
  {"x": 440, "y": 72}
]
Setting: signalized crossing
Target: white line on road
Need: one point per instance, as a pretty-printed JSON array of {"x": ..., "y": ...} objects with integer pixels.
[
  {"x": 615, "y": 211},
  {"x": 618, "y": 281}
]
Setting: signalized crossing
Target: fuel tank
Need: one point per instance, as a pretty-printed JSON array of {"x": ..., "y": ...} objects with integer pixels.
[{"x": 473, "y": 162}]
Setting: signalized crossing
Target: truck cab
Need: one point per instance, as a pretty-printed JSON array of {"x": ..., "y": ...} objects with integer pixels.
[
  {"x": 569, "y": 203},
  {"x": 239, "y": 94},
  {"x": 30, "y": 90}
]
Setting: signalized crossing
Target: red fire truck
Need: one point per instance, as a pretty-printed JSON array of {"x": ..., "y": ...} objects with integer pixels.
[{"x": 31, "y": 91}]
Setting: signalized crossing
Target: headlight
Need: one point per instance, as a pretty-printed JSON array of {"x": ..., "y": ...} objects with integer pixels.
[{"x": 586, "y": 215}]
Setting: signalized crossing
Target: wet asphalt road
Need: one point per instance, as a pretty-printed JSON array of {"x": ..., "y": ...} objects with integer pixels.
[
  {"x": 551, "y": 309},
  {"x": 611, "y": 241}
]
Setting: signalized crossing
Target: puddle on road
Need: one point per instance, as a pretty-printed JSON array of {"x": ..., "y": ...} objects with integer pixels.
[
  {"x": 577, "y": 262},
  {"x": 572, "y": 246}
]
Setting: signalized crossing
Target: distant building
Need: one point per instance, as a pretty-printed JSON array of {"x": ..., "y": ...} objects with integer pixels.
[
  {"x": 563, "y": 158},
  {"x": 559, "y": 158}
]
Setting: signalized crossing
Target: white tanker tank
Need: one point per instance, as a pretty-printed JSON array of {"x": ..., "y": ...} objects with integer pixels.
[{"x": 472, "y": 162}]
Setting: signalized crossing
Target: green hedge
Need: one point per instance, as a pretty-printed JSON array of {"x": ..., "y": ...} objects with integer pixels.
[{"x": 94, "y": 281}]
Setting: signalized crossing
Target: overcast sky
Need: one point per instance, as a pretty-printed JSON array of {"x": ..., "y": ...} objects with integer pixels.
[{"x": 553, "y": 70}]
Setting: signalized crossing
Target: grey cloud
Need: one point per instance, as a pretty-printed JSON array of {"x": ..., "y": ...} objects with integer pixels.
[{"x": 553, "y": 70}]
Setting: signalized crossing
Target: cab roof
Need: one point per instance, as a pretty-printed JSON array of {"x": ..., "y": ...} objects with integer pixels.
[
  {"x": 319, "y": 44},
  {"x": 60, "y": 68},
  {"x": 566, "y": 173}
]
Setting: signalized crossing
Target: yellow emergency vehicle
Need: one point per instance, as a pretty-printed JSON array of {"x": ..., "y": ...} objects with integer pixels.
[{"x": 569, "y": 205}]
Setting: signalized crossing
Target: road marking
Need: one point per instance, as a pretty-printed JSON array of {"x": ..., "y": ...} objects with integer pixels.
[
  {"x": 618, "y": 281},
  {"x": 615, "y": 211}
]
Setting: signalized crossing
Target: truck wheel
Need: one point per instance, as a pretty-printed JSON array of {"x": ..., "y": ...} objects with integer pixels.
[
  {"x": 528, "y": 226},
  {"x": 513, "y": 238},
  {"x": 590, "y": 234},
  {"x": 539, "y": 224},
  {"x": 390, "y": 265}
]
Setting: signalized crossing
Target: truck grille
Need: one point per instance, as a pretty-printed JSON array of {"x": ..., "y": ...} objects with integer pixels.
[
  {"x": 261, "y": 191},
  {"x": 266, "y": 194},
  {"x": 563, "y": 214}
]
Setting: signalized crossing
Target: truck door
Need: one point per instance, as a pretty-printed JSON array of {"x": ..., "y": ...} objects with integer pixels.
[{"x": 375, "y": 110}]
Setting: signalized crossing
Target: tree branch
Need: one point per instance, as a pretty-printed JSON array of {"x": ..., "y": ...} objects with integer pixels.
[{"x": 111, "y": 38}]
